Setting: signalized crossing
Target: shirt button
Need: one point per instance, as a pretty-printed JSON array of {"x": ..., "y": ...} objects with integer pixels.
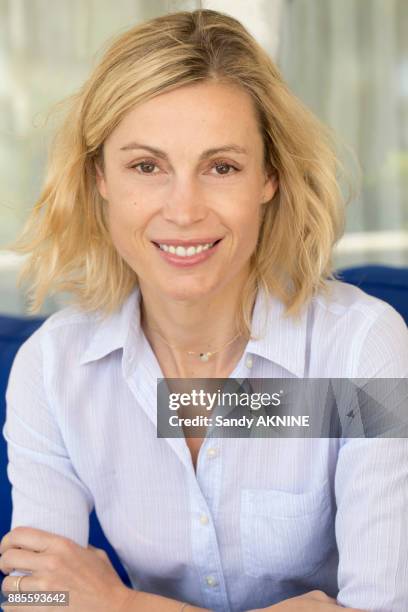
[
  {"x": 212, "y": 452},
  {"x": 249, "y": 362},
  {"x": 204, "y": 519},
  {"x": 211, "y": 581}
]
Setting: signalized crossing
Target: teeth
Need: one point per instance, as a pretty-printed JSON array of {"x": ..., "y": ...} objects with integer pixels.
[{"x": 185, "y": 252}]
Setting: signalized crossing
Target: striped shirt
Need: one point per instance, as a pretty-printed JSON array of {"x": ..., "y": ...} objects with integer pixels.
[{"x": 261, "y": 519}]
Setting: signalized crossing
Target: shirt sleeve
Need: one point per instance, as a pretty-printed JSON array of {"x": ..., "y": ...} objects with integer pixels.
[
  {"x": 371, "y": 488},
  {"x": 46, "y": 491}
]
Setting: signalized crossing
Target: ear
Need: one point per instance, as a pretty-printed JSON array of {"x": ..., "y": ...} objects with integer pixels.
[
  {"x": 101, "y": 181},
  {"x": 271, "y": 186}
]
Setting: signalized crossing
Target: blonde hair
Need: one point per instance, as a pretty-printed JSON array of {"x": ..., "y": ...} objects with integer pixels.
[{"x": 66, "y": 234}]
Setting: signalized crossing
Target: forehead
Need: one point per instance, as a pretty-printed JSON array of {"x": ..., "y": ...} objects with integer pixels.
[{"x": 201, "y": 113}]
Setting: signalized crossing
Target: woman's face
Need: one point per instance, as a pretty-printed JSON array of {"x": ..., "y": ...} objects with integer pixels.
[{"x": 187, "y": 166}]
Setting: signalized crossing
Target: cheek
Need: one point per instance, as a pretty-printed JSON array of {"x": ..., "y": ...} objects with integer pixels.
[
  {"x": 246, "y": 220},
  {"x": 121, "y": 193},
  {"x": 124, "y": 222}
]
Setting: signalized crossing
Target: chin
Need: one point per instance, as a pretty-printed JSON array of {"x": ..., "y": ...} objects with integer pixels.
[{"x": 187, "y": 292}]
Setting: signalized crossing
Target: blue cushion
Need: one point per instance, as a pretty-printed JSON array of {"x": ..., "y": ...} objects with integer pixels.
[{"x": 388, "y": 283}]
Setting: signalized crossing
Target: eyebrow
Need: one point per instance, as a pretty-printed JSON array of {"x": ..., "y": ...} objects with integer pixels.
[{"x": 204, "y": 155}]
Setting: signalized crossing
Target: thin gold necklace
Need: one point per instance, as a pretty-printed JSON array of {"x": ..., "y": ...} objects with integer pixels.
[{"x": 202, "y": 356}]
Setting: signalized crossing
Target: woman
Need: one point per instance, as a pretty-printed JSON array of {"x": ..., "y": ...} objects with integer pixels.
[{"x": 191, "y": 208}]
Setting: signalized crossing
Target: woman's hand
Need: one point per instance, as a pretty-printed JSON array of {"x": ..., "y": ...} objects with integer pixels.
[
  {"x": 59, "y": 564},
  {"x": 314, "y": 601}
]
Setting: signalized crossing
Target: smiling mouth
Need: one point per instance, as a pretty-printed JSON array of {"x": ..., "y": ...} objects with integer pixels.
[{"x": 186, "y": 251}]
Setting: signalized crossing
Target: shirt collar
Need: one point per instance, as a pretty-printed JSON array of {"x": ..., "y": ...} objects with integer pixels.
[
  {"x": 117, "y": 331},
  {"x": 281, "y": 339}
]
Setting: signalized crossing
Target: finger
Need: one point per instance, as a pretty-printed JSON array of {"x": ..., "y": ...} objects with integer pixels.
[
  {"x": 20, "y": 559},
  {"x": 9, "y": 584},
  {"x": 30, "y": 538}
]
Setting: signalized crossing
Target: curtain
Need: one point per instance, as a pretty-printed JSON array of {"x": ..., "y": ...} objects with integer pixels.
[{"x": 348, "y": 61}]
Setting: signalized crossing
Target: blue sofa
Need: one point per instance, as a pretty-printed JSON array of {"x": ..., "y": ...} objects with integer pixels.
[{"x": 388, "y": 283}]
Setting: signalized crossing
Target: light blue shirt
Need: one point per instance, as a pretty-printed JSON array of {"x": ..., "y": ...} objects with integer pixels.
[{"x": 263, "y": 519}]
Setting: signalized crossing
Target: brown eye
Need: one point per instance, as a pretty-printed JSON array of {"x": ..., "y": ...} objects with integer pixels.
[
  {"x": 225, "y": 168},
  {"x": 146, "y": 167}
]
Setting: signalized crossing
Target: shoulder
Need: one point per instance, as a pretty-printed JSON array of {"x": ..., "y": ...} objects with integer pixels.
[
  {"x": 361, "y": 330},
  {"x": 69, "y": 322},
  {"x": 71, "y": 326},
  {"x": 66, "y": 332},
  {"x": 344, "y": 300}
]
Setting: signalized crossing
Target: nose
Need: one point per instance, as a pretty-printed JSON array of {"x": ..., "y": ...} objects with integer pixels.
[{"x": 184, "y": 203}]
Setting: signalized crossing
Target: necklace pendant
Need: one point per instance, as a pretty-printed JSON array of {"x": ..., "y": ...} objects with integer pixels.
[{"x": 205, "y": 356}]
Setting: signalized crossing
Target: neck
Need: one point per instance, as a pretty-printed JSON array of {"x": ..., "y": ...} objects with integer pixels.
[{"x": 207, "y": 324}]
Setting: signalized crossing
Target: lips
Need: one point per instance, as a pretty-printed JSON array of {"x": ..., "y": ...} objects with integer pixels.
[{"x": 187, "y": 261}]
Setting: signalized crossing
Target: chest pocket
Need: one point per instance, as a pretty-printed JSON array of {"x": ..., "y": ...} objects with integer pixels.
[{"x": 285, "y": 534}]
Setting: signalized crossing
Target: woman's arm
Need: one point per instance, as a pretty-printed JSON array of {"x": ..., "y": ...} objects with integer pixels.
[
  {"x": 371, "y": 524},
  {"x": 371, "y": 487},
  {"x": 46, "y": 491}
]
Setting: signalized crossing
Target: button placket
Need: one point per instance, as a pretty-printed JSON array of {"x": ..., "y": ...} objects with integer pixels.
[{"x": 206, "y": 552}]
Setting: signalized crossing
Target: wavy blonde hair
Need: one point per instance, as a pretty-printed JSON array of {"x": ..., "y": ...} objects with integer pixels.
[{"x": 66, "y": 235}]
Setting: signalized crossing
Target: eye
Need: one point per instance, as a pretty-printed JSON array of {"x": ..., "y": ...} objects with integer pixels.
[
  {"x": 226, "y": 167},
  {"x": 145, "y": 167}
]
